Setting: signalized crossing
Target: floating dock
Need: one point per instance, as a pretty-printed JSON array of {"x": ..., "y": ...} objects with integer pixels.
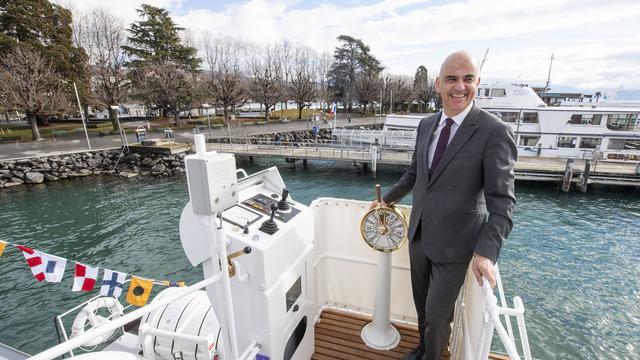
[{"x": 166, "y": 148}]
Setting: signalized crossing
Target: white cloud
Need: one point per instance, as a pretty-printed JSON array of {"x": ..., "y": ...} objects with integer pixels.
[{"x": 595, "y": 42}]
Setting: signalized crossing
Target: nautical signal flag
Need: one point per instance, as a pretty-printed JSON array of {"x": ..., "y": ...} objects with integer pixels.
[
  {"x": 85, "y": 277},
  {"x": 34, "y": 261},
  {"x": 54, "y": 267},
  {"x": 173, "y": 283},
  {"x": 112, "y": 283},
  {"x": 139, "y": 291},
  {"x": 2, "y": 246}
]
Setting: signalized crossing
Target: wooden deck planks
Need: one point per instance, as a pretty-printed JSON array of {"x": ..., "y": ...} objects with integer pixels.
[{"x": 337, "y": 337}]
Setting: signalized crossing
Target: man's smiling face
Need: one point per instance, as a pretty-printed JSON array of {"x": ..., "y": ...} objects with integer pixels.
[{"x": 457, "y": 83}]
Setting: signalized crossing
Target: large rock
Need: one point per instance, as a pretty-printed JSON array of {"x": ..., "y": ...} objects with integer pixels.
[
  {"x": 11, "y": 184},
  {"x": 93, "y": 163},
  {"x": 16, "y": 180},
  {"x": 33, "y": 178},
  {"x": 158, "y": 169},
  {"x": 50, "y": 177},
  {"x": 127, "y": 175},
  {"x": 84, "y": 172}
]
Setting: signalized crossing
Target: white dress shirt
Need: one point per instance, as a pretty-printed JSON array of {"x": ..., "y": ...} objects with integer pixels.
[{"x": 457, "y": 121}]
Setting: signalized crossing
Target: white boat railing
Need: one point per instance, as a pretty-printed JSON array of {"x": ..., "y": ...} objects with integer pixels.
[
  {"x": 491, "y": 320},
  {"x": 112, "y": 325}
]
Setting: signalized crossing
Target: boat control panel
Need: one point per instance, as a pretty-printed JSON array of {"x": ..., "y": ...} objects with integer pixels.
[{"x": 269, "y": 247}]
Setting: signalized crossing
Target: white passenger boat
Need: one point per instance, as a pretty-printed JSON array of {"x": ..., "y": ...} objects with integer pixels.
[
  {"x": 284, "y": 281},
  {"x": 573, "y": 130}
]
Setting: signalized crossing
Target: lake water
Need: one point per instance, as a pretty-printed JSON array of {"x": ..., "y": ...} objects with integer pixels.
[{"x": 573, "y": 258}]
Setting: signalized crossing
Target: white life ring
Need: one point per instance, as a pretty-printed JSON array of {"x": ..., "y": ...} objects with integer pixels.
[{"x": 88, "y": 313}]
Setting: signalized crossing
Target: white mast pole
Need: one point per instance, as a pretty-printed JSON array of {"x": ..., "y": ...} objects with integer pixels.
[
  {"x": 484, "y": 59},
  {"x": 82, "y": 115}
]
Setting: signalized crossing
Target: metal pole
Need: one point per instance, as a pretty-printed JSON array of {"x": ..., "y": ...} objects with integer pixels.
[{"x": 82, "y": 115}]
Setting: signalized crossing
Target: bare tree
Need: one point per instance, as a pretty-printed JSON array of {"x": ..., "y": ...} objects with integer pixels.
[
  {"x": 105, "y": 36},
  {"x": 303, "y": 87},
  {"x": 323, "y": 67},
  {"x": 225, "y": 83},
  {"x": 266, "y": 79},
  {"x": 31, "y": 85},
  {"x": 285, "y": 54},
  {"x": 367, "y": 87},
  {"x": 397, "y": 91},
  {"x": 154, "y": 79}
]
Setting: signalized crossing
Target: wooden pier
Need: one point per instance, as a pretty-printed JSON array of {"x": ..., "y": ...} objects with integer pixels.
[{"x": 578, "y": 172}]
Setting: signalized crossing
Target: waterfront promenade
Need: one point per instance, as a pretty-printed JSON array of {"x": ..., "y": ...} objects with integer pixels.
[
  {"x": 244, "y": 143},
  {"x": 75, "y": 143}
]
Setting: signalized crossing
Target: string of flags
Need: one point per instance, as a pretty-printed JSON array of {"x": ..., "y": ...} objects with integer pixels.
[{"x": 51, "y": 268}]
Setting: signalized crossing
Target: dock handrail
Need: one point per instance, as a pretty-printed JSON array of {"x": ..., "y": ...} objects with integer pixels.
[{"x": 112, "y": 325}]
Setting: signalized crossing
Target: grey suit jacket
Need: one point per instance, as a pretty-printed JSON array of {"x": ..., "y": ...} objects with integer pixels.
[{"x": 466, "y": 206}]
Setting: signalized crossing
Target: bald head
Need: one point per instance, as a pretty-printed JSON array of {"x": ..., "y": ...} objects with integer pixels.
[
  {"x": 460, "y": 56},
  {"x": 458, "y": 82}
]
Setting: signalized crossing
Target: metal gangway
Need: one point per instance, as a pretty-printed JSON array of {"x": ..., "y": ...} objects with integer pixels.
[{"x": 403, "y": 140}]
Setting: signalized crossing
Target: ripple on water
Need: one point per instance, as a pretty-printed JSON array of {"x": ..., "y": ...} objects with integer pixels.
[{"x": 572, "y": 258}]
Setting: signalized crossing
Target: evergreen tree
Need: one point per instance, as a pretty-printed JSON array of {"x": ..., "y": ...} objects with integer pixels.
[
  {"x": 156, "y": 39},
  {"x": 424, "y": 90},
  {"x": 155, "y": 44},
  {"x": 352, "y": 58}
]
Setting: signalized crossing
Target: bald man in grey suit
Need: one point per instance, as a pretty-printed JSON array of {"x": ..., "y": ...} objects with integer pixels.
[{"x": 462, "y": 179}]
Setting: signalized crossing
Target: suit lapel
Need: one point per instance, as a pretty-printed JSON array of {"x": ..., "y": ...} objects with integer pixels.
[
  {"x": 430, "y": 129},
  {"x": 465, "y": 131}
]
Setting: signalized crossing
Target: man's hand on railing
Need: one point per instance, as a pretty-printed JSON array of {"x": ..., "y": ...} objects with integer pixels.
[{"x": 482, "y": 266}]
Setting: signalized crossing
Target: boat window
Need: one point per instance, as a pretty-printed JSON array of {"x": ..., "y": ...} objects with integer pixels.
[
  {"x": 507, "y": 116},
  {"x": 590, "y": 143},
  {"x": 624, "y": 144},
  {"x": 526, "y": 140},
  {"x": 622, "y": 122},
  {"x": 567, "y": 142},
  {"x": 498, "y": 93},
  {"x": 530, "y": 118},
  {"x": 585, "y": 119}
]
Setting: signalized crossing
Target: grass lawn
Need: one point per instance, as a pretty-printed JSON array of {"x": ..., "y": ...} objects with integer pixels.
[
  {"x": 53, "y": 130},
  {"x": 21, "y": 131}
]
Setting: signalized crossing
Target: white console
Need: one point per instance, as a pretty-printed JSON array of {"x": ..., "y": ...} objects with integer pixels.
[{"x": 270, "y": 264}]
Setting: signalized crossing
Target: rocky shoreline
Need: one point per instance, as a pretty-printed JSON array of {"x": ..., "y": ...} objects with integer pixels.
[
  {"x": 106, "y": 162},
  {"x": 114, "y": 162}
]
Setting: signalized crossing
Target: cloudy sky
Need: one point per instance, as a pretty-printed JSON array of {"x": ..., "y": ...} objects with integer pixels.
[{"x": 596, "y": 44}]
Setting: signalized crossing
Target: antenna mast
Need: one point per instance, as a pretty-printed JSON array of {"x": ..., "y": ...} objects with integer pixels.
[
  {"x": 483, "y": 60},
  {"x": 546, "y": 87}
]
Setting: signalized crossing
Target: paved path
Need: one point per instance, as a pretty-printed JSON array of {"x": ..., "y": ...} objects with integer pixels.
[{"x": 76, "y": 143}]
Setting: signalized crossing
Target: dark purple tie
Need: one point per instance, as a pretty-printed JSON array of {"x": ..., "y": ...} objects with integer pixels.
[{"x": 443, "y": 140}]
